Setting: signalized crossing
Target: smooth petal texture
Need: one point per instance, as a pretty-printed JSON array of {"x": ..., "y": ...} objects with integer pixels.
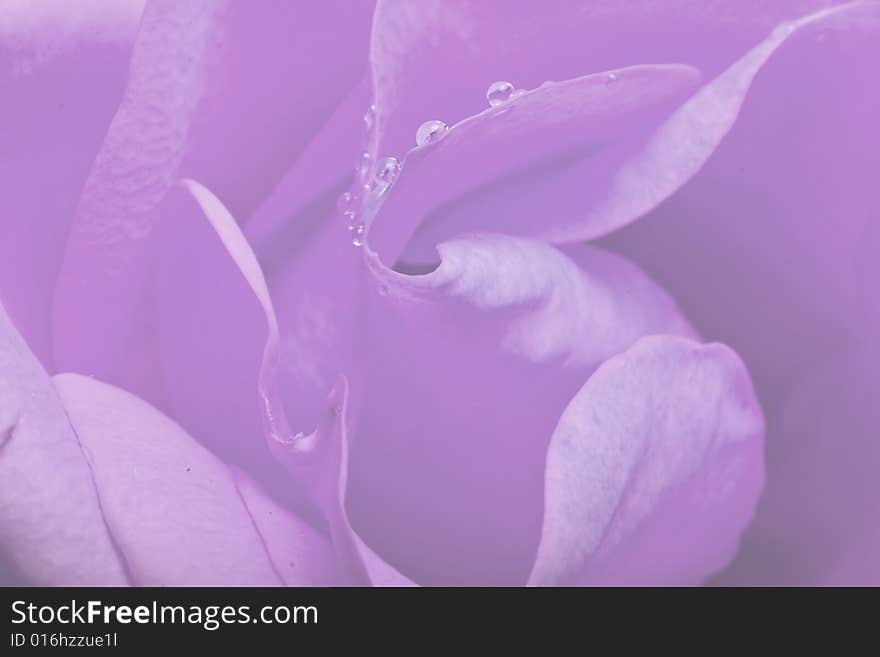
[
  {"x": 466, "y": 371},
  {"x": 218, "y": 344},
  {"x": 760, "y": 247},
  {"x": 597, "y": 190},
  {"x": 319, "y": 288},
  {"x": 174, "y": 508},
  {"x": 296, "y": 204},
  {"x": 653, "y": 470},
  {"x": 823, "y": 494},
  {"x": 62, "y": 74},
  {"x": 214, "y": 87},
  {"x": 436, "y": 58},
  {"x": 301, "y": 556},
  {"x": 51, "y": 522},
  {"x": 584, "y": 126}
]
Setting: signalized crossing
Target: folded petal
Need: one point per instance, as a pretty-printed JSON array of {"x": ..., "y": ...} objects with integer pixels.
[
  {"x": 653, "y": 470},
  {"x": 761, "y": 246},
  {"x": 321, "y": 460},
  {"x": 174, "y": 509},
  {"x": 436, "y": 58},
  {"x": 224, "y": 92},
  {"x": 62, "y": 74},
  {"x": 596, "y": 190},
  {"x": 217, "y": 350},
  {"x": 318, "y": 284},
  {"x": 565, "y": 139},
  {"x": 465, "y": 372},
  {"x": 326, "y": 166},
  {"x": 51, "y": 522}
]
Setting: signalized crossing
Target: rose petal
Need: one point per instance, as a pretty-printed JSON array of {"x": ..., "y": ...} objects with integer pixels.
[
  {"x": 62, "y": 72},
  {"x": 599, "y": 190},
  {"x": 243, "y": 80},
  {"x": 317, "y": 284},
  {"x": 218, "y": 347},
  {"x": 434, "y": 59},
  {"x": 760, "y": 246},
  {"x": 325, "y": 168},
  {"x": 466, "y": 372},
  {"x": 173, "y": 507},
  {"x": 51, "y": 522},
  {"x": 654, "y": 469},
  {"x": 588, "y": 120}
]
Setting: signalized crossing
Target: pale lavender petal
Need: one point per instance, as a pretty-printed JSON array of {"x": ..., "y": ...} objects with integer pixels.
[
  {"x": 597, "y": 190},
  {"x": 62, "y": 73},
  {"x": 174, "y": 508},
  {"x": 243, "y": 100},
  {"x": 327, "y": 164},
  {"x": 583, "y": 127},
  {"x": 653, "y": 470},
  {"x": 434, "y": 59},
  {"x": 300, "y": 555},
  {"x": 465, "y": 372},
  {"x": 318, "y": 284},
  {"x": 760, "y": 247},
  {"x": 218, "y": 345},
  {"x": 51, "y": 522}
]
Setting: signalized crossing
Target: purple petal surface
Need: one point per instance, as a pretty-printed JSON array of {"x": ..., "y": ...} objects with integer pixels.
[
  {"x": 653, "y": 470},
  {"x": 62, "y": 74},
  {"x": 465, "y": 372}
]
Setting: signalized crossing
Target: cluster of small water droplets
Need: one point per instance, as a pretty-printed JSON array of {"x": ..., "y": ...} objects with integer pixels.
[{"x": 373, "y": 179}]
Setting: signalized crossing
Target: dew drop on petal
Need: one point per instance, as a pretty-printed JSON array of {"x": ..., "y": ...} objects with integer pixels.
[
  {"x": 611, "y": 78},
  {"x": 499, "y": 92},
  {"x": 430, "y": 131},
  {"x": 347, "y": 202},
  {"x": 363, "y": 165},
  {"x": 359, "y": 235},
  {"x": 370, "y": 118},
  {"x": 387, "y": 171}
]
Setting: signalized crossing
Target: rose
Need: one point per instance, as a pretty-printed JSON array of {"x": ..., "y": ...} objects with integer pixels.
[{"x": 507, "y": 420}]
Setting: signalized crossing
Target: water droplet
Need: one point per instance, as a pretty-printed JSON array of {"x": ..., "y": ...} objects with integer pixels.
[
  {"x": 610, "y": 79},
  {"x": 499, "y": 92},
  {"x": 347, "y": 203},
  {"x": 364, "y": 165},
  {"x": 387, "y": 171},
  {"x": 370, "y": 118},
  {"x": 430, "y": 131},
  {"x": 359, "y": 235}
]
